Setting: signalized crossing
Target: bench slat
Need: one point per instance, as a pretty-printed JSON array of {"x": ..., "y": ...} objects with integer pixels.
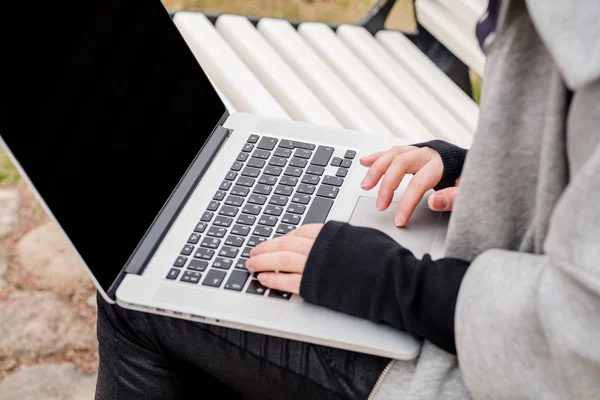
[
  {"x": 451, "y": 33},
  {"x": 467, "y": 11},
  {"x": 404, "y": 85},
  {"x": 431, "y": 77},
  {"x": 293, "y": 94},
  {"x": 342, "y": 102},
  {"x": 364, "y": 82},
  {"x": 227, "y": 72}
]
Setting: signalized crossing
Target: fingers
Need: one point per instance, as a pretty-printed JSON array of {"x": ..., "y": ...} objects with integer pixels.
[
  {"x": 367, "y": 161},
  {"x": 283, "y": 282},
  {"x": 407, "y": 163},
  {"x": 296, "y": 244},
  {"x": 283, "y": 261},
  {"x": 308, "y": 231},
  {"x": 380, "y": 166},
  {"x": 443, "y": 200},
  {"x": 425, "y": 179}
]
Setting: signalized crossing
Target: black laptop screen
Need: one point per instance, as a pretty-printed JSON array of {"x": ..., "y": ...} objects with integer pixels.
[{"x": 105, "y": 109}]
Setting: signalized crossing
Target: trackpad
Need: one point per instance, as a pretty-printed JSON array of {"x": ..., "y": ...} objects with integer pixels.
[{"x": 417, "y": 236}]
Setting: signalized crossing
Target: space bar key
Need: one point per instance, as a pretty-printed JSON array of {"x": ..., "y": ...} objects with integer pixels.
[{"x": 318, "y": 211}]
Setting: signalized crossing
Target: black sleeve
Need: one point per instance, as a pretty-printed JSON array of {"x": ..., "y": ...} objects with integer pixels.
[
  {"x": 365, "y": 273},
  {"x": 453, "y": 158}
]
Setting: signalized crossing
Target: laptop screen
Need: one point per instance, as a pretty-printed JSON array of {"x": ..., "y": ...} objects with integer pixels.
[{"x": 105, "y": 109}]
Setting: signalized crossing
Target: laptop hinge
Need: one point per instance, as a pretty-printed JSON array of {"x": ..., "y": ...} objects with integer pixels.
[{"x": 173, "y": 206}]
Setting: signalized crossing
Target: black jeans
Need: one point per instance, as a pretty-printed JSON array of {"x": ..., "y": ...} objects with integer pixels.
[{"x": 145, "y": 356}]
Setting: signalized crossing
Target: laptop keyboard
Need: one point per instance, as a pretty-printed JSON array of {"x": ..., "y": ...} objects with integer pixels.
[{"x": 273, "y": 187}]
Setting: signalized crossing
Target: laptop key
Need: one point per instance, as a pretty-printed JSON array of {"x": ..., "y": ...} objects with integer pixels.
[
  {"x": 223, "y": 221},
  {"x": 301, "y": 153},
  {"x": 346, "y": 164},
  {"x": 310, "y": 179},
  {"x": 272, "y": 170},
  {"x": 231, "y": 175},
  {"x": 298, "y": 162},
  {"x": 240, "y": 230},
  {"x": 246, "y": 252},
  {"x": 255, "y": 287},
  {"x": 194, "y": 238},
  {"x": 237, "y": 280},
  {"x": 216, "y": 231},
  {"x": 305, "y": 146},
  {"x": 267, "y": 220},
  {"x": 257, "y": 199},
  {"x": 245, "y": 181},
  {"x": 293, "y": 171},
  {"x": 301, "y": 198},
  {"x": 280, "y": 295},
  {"x": 315, "y": 170},
  {"x": 237, "y": 166},
  {"x": 211, "y": 243},
  {"x": 213, "y": 206},
  {"x": 242, "y": 157},
  {"x": 267, "y": 143},
  {"x": 282, "y": 152},
  {"x": 251, "y": 172},
  {"x": 240, "y": 191},
  {"x": 291, "y": 219},
  {"x": 200, "y": 227},
  {"x": 187, "y": 250},
  {"x": 173, "y": 273},
  {"x": 246, "y": 219},
  {"x": 306, "y": 189},
  {"x": 248, "y": 147},
  {"x": 204, "y": 254},
  {"x": 350, "y": 154},
  {"x": 234, "y": 201},
  {"x": 273, "y": 210},
  {"x": 191, "y": 277},
  {"x": 228, "y": 211},
  {"x": 225, "y": 185},
  {"x": 288, "y": 181},
  {"x": 264, "y": 231},
  {"x": 220, "y": 195},
  {"x": 262, "y": 189},
  {"x": 262, "y": 154},
  {"x": 214, "y": 278},
  {"x": 252, "y": 209},
  {"x": 296, "y": 209},
  {"x": 328, "y": 191},
  {"x": 268, "y": 180},
  {"x": 256, "y": 163},
  {"x": 284, "y": 190},
  {"x": 341, "y": 172},
  {"x": 277, "y": 161},
  {"x": 241, "y": 263},
  {"x": 207, "y": 216},
  {"x": 336, "y": 162},
  {"x": 282, "y": 229},
  {"x": 222, "y": 263},
  {"x": 252, "y": 139},
  {"x": 227, "y": 251},
  {"x": 318, "y": 211},
  {"x": 198, "y": 265},
  {"x": 180, "y": 262},
  {"x": 322, "y": 156},
  {"x": 333, "y": 180},
  {"x": 234, "y": 241},
  {"x": 278, "y": 200},
  {"x": 255, "y": 241}
]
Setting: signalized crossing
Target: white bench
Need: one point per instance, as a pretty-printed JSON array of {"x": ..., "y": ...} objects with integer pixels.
[{"x": 359, "y": 77}]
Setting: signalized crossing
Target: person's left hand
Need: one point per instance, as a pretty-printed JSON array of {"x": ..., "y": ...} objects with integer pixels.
[{"x": 287, "y": 255}]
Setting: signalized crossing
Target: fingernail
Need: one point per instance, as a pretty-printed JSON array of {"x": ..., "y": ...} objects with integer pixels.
[
  {"x": 365, "y": 181},
  {"x": 263, "y": 278},
  {"x": 400, "y": 219},
  {"x": 440, "y": 202},
  {"x": 252, "y": 252},
  {"x": 379, "y": 204}
]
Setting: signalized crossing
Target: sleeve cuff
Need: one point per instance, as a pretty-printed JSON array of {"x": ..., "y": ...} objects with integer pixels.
[{"x": 453, "y": 158}]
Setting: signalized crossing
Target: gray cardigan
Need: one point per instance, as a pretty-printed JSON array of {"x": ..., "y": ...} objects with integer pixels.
[{"x": 528, "y": 217}]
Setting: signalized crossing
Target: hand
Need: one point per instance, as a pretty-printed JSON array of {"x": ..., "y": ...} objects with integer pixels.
[
  {"x": 281, "y": 261},
  {"x": 427, "y": 167}
]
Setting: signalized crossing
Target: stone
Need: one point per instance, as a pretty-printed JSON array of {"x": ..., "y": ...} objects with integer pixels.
[
  {"x": 48, "y": 382},
  {"x": 9, "y": 208},
  {"x": 39, "y": 324},
  {"x": 48, "y": 259},
  {"x": 3, "y": 271}
]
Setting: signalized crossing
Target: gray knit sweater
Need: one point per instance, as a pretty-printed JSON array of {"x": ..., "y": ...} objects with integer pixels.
[{"x": 528, "y": 217}]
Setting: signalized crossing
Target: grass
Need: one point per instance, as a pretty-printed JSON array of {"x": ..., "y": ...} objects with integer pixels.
[{"x": 8, "y": 173}]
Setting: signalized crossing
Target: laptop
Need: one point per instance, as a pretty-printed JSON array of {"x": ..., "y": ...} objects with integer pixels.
[{"x": 162, "y": 193}]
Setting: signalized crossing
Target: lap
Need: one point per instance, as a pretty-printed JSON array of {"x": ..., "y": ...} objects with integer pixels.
[{"x": 150, "y": 356}]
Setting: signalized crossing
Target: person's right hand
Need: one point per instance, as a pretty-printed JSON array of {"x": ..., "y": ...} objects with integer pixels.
[{"x": 426, "y": 165}]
